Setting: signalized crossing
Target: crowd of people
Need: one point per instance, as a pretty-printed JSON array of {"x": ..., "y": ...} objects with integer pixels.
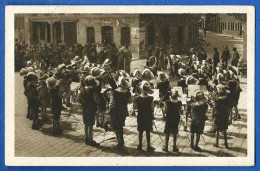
[
  {"x": 50, "y": 55},
  {"x": 106, "y": 87}
]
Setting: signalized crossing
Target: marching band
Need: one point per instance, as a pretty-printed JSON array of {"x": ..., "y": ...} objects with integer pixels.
[{"x": 105, "y": 90}]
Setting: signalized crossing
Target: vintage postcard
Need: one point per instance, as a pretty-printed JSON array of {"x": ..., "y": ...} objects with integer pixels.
[{"x": 129, "y": 86}]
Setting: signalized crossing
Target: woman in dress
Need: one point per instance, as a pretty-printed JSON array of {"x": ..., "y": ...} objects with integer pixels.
[
  {"x": 145, "y": 116},
  {"x": 172, "y": 111},
  {"x": 199, "y": 110},
  {"x": 118, "y": 109}
]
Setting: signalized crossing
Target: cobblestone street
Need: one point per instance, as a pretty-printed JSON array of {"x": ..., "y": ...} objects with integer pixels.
[{"x": 31, "y": 143}]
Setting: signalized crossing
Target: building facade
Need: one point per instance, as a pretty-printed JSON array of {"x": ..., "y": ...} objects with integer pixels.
[
  {"x": 138, "y": 31},
  {"x": 223, "y": 23}
]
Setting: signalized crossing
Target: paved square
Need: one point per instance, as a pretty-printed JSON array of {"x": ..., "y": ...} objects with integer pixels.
[{"x": 31, "y": 143}]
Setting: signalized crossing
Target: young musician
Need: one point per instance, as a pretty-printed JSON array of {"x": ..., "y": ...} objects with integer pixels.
[
  {"x": 24, "y": 73},
  {"x": 199, "y": 110},
  {"x": 173, "y": 108},
  {"x": 145, "y": 116},
  {"x": 222, "y": 108},
  {"x": 136, "y": 82},
  {"x": 56, "y": 105},
  {"x": 33, "y": 101},
  {"x": 89, "y": 101},
  {"x": 118, "y": 109},
  {"x": 163, "y": 85}
]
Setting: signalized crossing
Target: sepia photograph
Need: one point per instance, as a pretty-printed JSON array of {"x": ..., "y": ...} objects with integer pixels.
[{"x": 122, "y": 85}]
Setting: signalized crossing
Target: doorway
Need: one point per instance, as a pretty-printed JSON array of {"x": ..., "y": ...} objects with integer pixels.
[
  {"x": 107, "y": 34},
  {"x": 70, "y": 32}
]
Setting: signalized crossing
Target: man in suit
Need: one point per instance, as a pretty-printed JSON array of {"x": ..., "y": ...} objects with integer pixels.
[
  {"x": 215, "y": 59},
  {"x": 235, "y": 57},
  {"x": 225, "y": 57}
]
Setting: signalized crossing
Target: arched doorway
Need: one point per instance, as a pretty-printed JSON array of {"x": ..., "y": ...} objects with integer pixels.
[{"x": 107, "y": 34}]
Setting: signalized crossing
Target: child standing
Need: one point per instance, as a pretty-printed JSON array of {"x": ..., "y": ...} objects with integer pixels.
[
  {"x": 173, "y": 108},
  {"x": 145, "y": 116}
]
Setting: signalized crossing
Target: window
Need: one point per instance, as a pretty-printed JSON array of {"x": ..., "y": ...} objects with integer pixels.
[
  {"x": 228, "y": 26},
  {"x": 225, "y": 26},
  {"x": 42, "y": 31},
  {"x": 166, "y": 35},
  {"x": 90, "y": 35},
  {"x": 125, "y": 36},
  {"x": 180, "y": 34}
]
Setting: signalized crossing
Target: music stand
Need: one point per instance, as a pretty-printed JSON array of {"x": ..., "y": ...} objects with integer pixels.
[{"x": 74, "y": 89}]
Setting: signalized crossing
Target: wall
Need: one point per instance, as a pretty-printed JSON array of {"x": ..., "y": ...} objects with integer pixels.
[{"x": 225, "y": 18}]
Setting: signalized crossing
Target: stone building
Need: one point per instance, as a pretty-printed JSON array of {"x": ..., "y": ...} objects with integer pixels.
[
  {"x": 138, "y": 31},
  {"x": 223, "y": 23}
]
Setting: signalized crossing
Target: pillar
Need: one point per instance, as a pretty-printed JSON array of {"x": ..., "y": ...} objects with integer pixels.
[
  {"x": 51, "y": 31},
  {"x": 62, "y": 32},
  {"x": 46, "y": 32}
]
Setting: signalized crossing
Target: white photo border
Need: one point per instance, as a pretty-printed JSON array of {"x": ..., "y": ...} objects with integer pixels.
[{"x": 12, "y": 160}]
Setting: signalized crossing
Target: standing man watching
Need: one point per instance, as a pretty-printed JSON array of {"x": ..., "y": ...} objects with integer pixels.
[
  {"x": 215, "y": 59},
  {"x": 128, "y": 59},
  {"x": 235, "y": 57},
  {"x": 225, "y": 57}
]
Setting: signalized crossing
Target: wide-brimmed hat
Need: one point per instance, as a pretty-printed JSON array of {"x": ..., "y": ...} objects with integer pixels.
[
  {"x": 23, "y": 72},
  {"x": 95, "y": 71},
  {"x": 77, "y": 59},
  {"x": 137, "y": 73},
  {"x": 123, "y": 83},
  {"x": 162, "y": 76},
  {"x": 222, "y": 92},
  {"x": 124, "y": 74},
  {"x": 85, "y": 69},
  {"x": 200, "y": 98},
  {"x": 29, "y": 63},
  {"x": 68, "y": 67},
  {"x": 52, "y": 82},
  {"x": 147, "y": 74},
  {"x": 221, "y": 78},
  {"x": 30, "y": 69},
  {"x": 90, "y": 81},
  {"x": 191, "y": 80},
  {"x": 62, "y": 66},
  {"x": 174, "y": 96},
  {"x": 153, "y": 58},
  {"x": 106, "y": 63},
  {"x": 146, "y": 87},
  {"x": 181, "y": 72},
  {"x": 31, "y": 76},
  {"x": 43, "y": 77}
]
